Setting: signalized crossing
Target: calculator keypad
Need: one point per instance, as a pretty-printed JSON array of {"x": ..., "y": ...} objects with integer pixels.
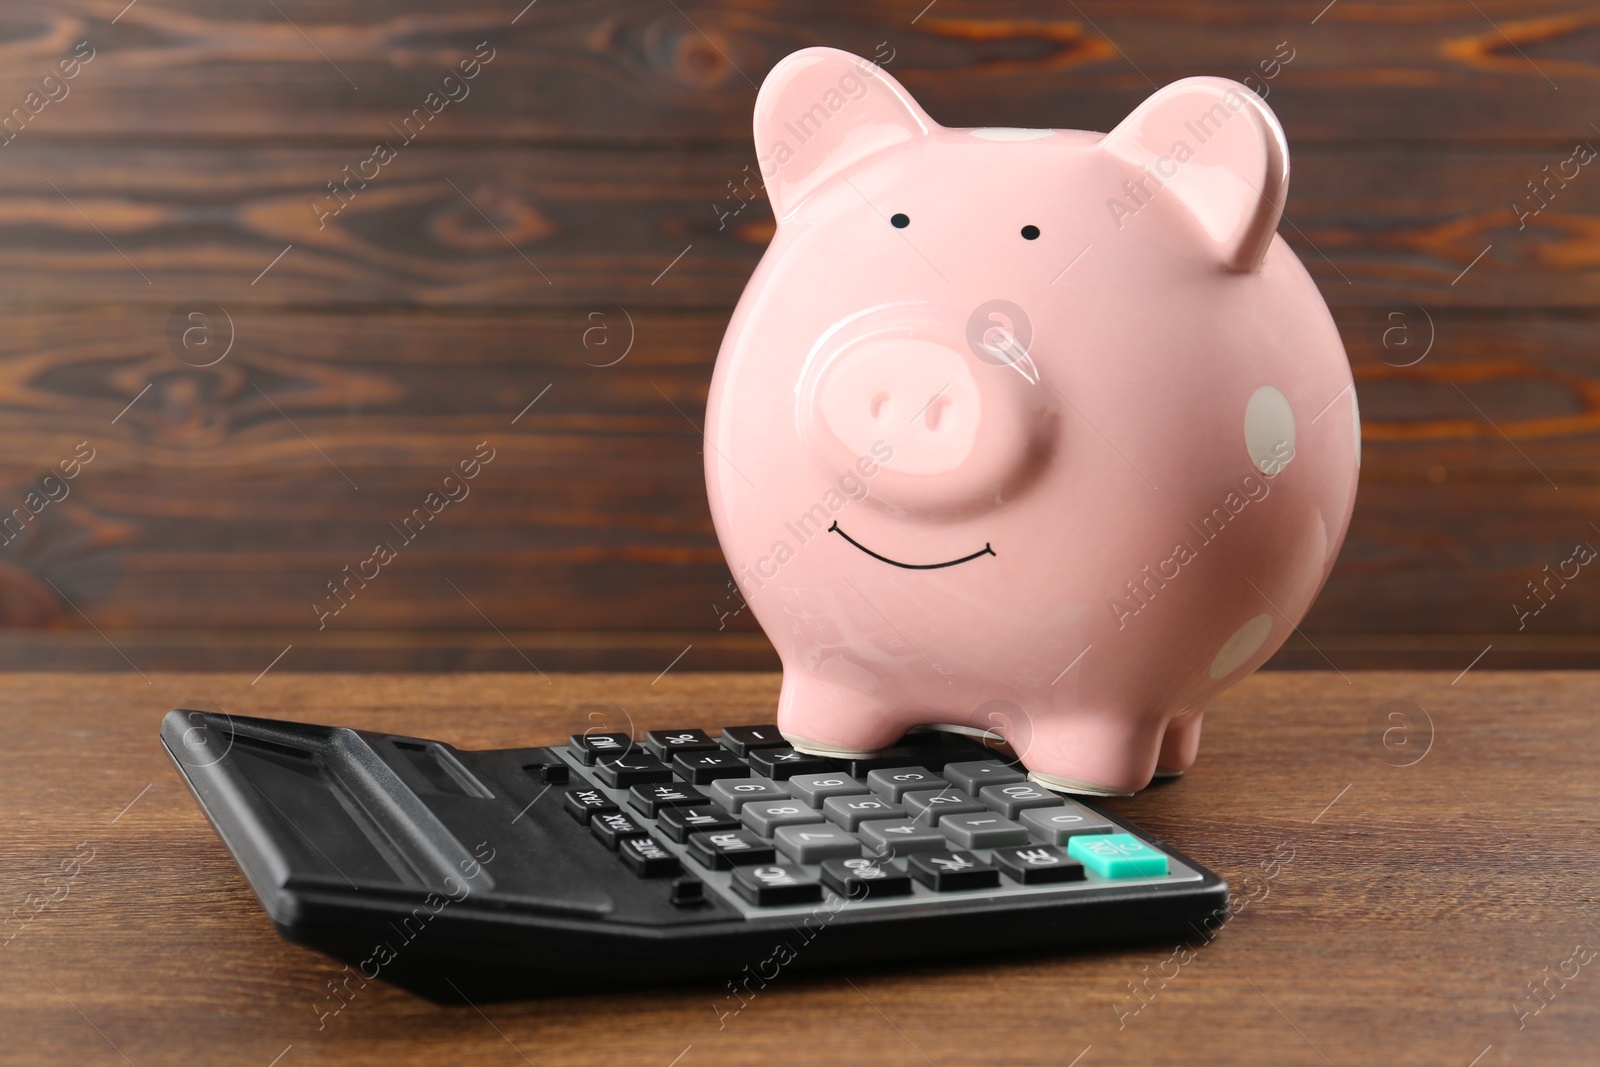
[
  {"x": 1014, "y": 798},
  {"x": 765, "y": 816},
  {"x": 747, "y": 816},
  {"x": 892, "y": 783},
  {"x": 1037, "y": 864},
  {"x": 859, "y": 879},
  {"x": 650, "y": 799},
  {"x": 679, "y": 823},
  {"x": 735, "y": 793},
  {"x": 780, "y": 764},
  {"x": 664, "y": 744},
  {"x": 703, "y": 768},
  {"x": 721, "y": 849},
  {"x": 947, "y": 872},
  {"x": 900, "y": 837},
  {"x": 1058, "y": 824},
  {"x": 775, "y": 884},
  {"x": 815, "y": 842},
  {"x": 931, "y": 805},
  {"x": 814, "y": 789},
  {"x": 983, "y": 830},
  {"x": 636, "y": 768},
  {"x": 851, "y": 812},
  {"x": 648, "y": 858}
]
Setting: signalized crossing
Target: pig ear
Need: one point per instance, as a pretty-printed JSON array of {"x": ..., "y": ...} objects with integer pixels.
[
  {"x": 821, "y": 110},
  {"x": 1216, "y": 146}
]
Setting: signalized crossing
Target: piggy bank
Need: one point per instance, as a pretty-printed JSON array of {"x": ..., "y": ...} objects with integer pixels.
[{"x": 1039, "y": 434}]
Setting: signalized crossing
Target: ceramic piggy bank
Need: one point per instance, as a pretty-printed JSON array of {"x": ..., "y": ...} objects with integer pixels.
[{"x": 1042, "y": 433}]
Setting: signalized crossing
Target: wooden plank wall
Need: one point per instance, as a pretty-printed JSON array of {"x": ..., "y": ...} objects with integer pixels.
[{"x": 520, "y": 241}]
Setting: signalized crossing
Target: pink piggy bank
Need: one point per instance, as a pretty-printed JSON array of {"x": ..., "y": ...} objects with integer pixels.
[{"x": 1040, "y": 433}]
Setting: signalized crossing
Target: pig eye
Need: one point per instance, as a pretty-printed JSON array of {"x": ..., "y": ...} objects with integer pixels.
[
  {"x": 899, "y": 221},
  {"x": 1030, "y": 233}
]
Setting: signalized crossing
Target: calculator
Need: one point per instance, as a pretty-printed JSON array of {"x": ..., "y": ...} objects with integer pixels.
[{"x": 616, "y": 861}]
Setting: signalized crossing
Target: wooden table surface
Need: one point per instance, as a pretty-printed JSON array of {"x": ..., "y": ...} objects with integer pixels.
[{"x": 1399, "y": 893}]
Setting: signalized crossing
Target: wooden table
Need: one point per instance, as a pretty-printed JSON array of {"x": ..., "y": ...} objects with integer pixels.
[{"x": 1392, "y": 913}]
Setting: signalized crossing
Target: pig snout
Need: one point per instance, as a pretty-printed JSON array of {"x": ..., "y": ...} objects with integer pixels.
[{"x": 951, "y": 417}]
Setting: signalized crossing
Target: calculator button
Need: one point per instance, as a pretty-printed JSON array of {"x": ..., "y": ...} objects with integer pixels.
[
  {"x": 1014, "y": 798},
  {"x": 1117, "y": 856},
  {"x": 892, "y": 783},
  {"x": 591, "y": 747},
  {"x": 765, "y": 816},
  {"x": 945, "y": 872},
  {"x": 703, "y": 768},
  {"x": 1038, "y": 864},
  {"x": 613, "y": 827},
  {"x": 647, "y": 857},
  {"x": 816, "y": 788},
  {"x": 858, "y": 878},
  {"x": 650, "y": 799},
  {"x": 899, "y": 756},
  {"x": 816, "y": 842},
  {"x": 780, "y": 764},
  {"x": 900, "y": 837},
  {"x": 774, "y": 884},
  {"x": 635, "y": 768},
  {"x": 928, "y": 806},
  {"x": 721, "y": 849},
  {"x": 740, "y": 740},
  {"x": 679, "y": 823},
  {"x": 663, "y": 743},
  {"x": 548, "y": 773},
  {"x": 735, "y": 793},
  {"x": 849, "y": 812},
  {"x": 583, "y": 803},
  {"x": 686, "y": 892},
  {"x": 1057, "y": 824},
  {"x": 987, "y": 830},
  {"x": 976, "y": 774}
]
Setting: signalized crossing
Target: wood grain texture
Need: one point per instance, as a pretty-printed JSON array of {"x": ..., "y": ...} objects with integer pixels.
[
  {"x": 566, "y": 211},
  {"x": 643, "y": 73},
  {"x": 445, "y": 226},
  {"x": 205, "y": 505},
  {"x": 1391, "y": 914}
]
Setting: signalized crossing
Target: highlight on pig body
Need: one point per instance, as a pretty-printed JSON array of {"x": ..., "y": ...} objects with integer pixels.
[{"x": 1043, "y": 433}]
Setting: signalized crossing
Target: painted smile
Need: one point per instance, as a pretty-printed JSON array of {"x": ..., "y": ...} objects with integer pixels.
[{"x": 984, "y": 551}]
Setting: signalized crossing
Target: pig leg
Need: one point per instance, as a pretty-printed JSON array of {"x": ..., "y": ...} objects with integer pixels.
[
  {"x": 834, "y": 720},
  {"x": 1100, "y": 753},
  {"x": 1181, "y": 744}
]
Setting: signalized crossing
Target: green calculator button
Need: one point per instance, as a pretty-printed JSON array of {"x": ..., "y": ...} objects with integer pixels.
[{"x": 1117, "y": 856}]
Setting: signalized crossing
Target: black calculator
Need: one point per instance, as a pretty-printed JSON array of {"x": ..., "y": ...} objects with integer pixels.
[{"x": 619, "y": 861}]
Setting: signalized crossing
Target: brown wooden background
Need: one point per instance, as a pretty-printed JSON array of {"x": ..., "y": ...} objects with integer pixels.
[{"x": 460, "y": 284}]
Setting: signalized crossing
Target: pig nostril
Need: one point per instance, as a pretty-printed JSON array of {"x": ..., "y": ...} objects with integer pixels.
[
  {"x": 878, "y": 401},
  {"x": 935, "y": 407}
]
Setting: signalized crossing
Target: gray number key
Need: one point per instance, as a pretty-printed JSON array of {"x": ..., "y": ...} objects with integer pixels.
[
  {"x": 735, "y": 793},
  {"x": 982, "y": 831},
  {"x": 975, "y": 774},
  {"x": 765, "y": 816},
  {"x": 928, "y": 806},
  {"x": 1056, "y": 825},
  {"x": 848, "y": 812},
  {"x": 815, "y": 788},
  {"x": 815, "y": 842},
  {"x": 892, "y": 783},
  {"x": 900, "y": 837},
  {"x": 1013, "y": 799}
]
